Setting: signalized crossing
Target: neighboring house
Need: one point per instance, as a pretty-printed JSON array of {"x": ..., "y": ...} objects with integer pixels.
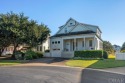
[
  {"x": 9, "y": 49},
  {"x": 44, "y": 46},
  {"x": 40, "y": 48},
  {"x": 75, "y": 36},
  {"x": 117, "y": 48}
]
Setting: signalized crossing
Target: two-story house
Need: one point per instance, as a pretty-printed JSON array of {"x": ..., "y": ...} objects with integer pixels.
[{"x": 75, "y": 36}]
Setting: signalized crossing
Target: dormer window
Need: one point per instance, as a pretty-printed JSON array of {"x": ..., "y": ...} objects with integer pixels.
[{"x": 70, "y": 23}]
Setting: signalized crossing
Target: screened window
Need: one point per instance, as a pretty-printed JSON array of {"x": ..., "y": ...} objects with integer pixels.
[
  {"x": 83, "y": 43},
  {"x": 90, "y": 43},
  {"x": 40, "y": 48},
  {"x": 44, "y": 48},
  {"x": 37, "y": 48},
  {"x": 76, "y": 44}
]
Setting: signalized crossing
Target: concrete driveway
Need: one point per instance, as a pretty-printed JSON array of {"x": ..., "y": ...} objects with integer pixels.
[
  {"x": 45, "y": 61},
  {"x": 54, "y": 74}
]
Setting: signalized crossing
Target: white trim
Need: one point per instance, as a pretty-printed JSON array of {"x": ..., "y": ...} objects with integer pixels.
[{"x": 79, "y": 36}]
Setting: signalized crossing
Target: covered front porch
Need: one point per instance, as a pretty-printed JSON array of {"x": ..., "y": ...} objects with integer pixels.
[{"x": 85, "y": 43}]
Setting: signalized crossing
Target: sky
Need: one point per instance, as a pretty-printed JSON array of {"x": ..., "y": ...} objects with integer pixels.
[{"x": 109, "y": 15}]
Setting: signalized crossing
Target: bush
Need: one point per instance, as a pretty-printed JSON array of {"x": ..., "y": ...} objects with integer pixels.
[
  {"x": 91, "y": 54},
  {"x": 105, "y": 55},
  {"x": 123, "y": 51},
  {"x": 19, "y": 55},
  {"x": 40, "y": 55},
  {"x": 30, "y": 55}
]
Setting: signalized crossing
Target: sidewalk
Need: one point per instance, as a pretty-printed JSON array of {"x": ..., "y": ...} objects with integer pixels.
[{"x": 116, "y": 70}]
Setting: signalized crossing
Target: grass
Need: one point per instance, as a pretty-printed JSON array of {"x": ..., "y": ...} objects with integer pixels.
[
  {"x": 80, "y": 63},
  {"x": 10, "y": 62},
  {"x": 99, "y": 64}
]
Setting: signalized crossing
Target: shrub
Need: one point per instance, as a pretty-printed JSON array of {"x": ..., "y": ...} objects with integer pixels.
[
  {"x": 105, "y": 55},
  {"x": 123, "y": 51},
  {"x": 91, "y": 54},
  {"x": 19, "y": 55},
  {"x": 30, "y": 55},
  {"x": 40, "y": 55}
]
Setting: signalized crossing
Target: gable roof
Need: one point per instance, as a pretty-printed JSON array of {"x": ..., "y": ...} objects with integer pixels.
[
  {"x": 61, "y": 27},
  {"x": 92, "y": 26},
  {"x": 77, "y": 23},
  {"x": 80, "y": 25}
]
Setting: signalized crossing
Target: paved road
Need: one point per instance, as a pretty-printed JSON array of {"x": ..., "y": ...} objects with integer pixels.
[
  {"x": 52, "y": 74},
  {"x": 95, "y": 76}
]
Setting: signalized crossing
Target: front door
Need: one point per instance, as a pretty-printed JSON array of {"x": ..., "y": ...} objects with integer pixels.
[{"x": 67, "y": 46}]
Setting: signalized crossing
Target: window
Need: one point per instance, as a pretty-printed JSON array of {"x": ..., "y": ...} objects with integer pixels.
[
  {"x": 40, "y": 48},
  {"x": 76, "y": 44},
  {"x": 44, "y": 48},
  {"x": 83, "y": 43},
  {"x": 65, "y": 30},
  {"x": 37, "y": 48},
  {"x": 6, "y": 49},
  {"x": 53, "y": 42},
  {"x": 90, "y": 43},
  {"x": 70, "y": 23},
  {"x": 58, "y": 42},
  {"x": 73, "y": 45}
]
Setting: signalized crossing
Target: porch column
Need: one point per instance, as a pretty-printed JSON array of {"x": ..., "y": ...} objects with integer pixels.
[
  {"x": 62, "y": 45},
  {"x": 84, "y": 43}
]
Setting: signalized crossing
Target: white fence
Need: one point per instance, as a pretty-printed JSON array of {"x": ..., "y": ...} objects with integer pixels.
[{"x": 120, "y": 56}]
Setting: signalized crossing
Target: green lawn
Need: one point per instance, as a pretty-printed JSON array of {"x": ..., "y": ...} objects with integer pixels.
[
  {"x": 10, "y": 62},
  {"x": 109, "y": 63}
]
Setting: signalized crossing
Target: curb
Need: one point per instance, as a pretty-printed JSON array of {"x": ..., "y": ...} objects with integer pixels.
[{"x": 105, "y": 71}]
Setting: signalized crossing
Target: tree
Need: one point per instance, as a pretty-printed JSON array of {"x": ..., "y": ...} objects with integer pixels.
[
  {"x": 16, "y": 24},
  {"x": 107, "y": 46},
  {"x": 123, "y": 46},
  {"x": 5, "y": 35},
  {"x": 23, "y": 30}
]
